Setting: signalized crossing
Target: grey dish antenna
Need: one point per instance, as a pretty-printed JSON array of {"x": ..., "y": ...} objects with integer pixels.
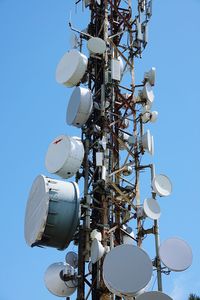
[
  {"x": 147, "y": 94},
  {"x": 96, "y": 45},
  {"x": 119, "y": 275},
  {"x": 175, "y": 254},
  {"x": 150, "y": 76},
  {"x": 79, "y": 107},
  {"x": 71, "y": 258}
]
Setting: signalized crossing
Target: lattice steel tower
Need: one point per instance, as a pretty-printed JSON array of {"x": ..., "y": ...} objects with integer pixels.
[{"x": 112, "y": 112}]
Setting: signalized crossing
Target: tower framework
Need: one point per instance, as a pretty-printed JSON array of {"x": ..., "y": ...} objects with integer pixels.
[
  {"x": 110, "y": 220},
  {"x": 110, "y": 200}
]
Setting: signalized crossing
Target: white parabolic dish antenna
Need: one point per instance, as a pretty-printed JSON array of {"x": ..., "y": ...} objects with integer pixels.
[
  {"x": 79, "y": 107},
  {"x": 162, "y": 185},
  {"x": 97, "y": 251},
  {"x": 147, "y": 93},
  {"x": 71, "y": 258},
  {"x": 176, "y": 254},
  {"x": 96, "y": 45},
  {"x": 147, "y": 142},
  {"x": 153, "y": 296},
  {"x": 151, "y": 76},
  {"x": 64, "y": 156},
  {"x": 127, "y": 270},
  {"x": 71, "y": 68},
  {"x": 151, "y": 209},
  {"x": 52, "y": 213},
  {"x": 55, "y": 284}
]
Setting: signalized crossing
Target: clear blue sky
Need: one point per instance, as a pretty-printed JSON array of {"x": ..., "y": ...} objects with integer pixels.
[{"x": 33, "y": 37}]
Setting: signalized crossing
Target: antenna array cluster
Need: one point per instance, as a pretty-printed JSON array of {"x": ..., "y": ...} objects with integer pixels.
[{"x": 107, "y": 223}]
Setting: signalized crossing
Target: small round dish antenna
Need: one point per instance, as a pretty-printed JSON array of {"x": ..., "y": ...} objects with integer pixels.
[
  {"x": 151, "y": 209},
  {"x": 154, "y": 116},
  {"x": 146, "y": 116},
  {"x": 154, "y": 295},
  {"x": 147, "y": 142},
  {"x": 119, "y": 275},
  {"x": 150, "y": 76},
  {"x": 64, "y": 156},
  {"x": 97, "y": 251},
  {"x": 71, "y": 68},
  {"x": 175, "y": 254},
  {"x": 162, "y": 185},
  {"x": 127, "y": 171},
  {"x": 79, "y": 107},
  {"x": 147, "y": 93},
  {"x": 71, "y": 258},
  {"x": 55, "y": 284},
  {"x": 96, "y": 45},
  {"x": 52, "y": 211}
]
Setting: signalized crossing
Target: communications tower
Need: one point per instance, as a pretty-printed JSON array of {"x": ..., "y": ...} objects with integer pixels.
[{"x": 108, "y": 221}]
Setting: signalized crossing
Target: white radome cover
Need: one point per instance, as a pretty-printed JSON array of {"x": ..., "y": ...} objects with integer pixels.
[
  {"x": 71, "y": 68},
  {"x": 79, "y": 107},
  {"x": 64, "y": 156},
  {"x": 147, "y": 142},
  {"x": 55, "y": 284},
  {"x": 97, "y": 251},
  {"x": 176, "y": 254},
  {"x": 148, "y": 93},
  {"x": 127, "y": 270},
  {"x": 150, "y": 76},
  {"x": 37, "y": 207},
  {"x": 36, "y": 210},
  {"x": 154, "y": 295},
  {"x": 154, "y": 116},
  {"x": 96, "y": 45},
  {"x": 151, "y": 209},
  {"x": 162, "y": 185}
]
